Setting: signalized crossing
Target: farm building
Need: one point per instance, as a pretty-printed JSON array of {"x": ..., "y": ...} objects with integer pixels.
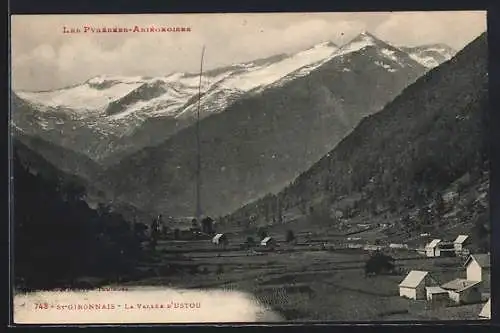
[
  {"x": 463, "y": 291},
  {"x": 430, "y": 249},
  {"x": 478, "y": 267},
  {"x": 220, "y": 239},
  {"x": 445, "y": 249},
  {"x": 369, "y": 247},
  {"x": 436, "y": 293},
  {"x": 460, "y": 243},
  {"x": 486, "y": 311},
  {"x": 413, "y": 286},
  {"x": 398, "y": 246},
  {"x": 268, "y": 242}
]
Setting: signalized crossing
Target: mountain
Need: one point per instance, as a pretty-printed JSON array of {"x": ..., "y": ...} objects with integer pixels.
[
  {"x": 73, "y": 168},
  {"x": 264, "y": 140},
  {"x": 58, "y": 237},
  {"x": 426, "y": 149},
  {"x": 66, "y": 160},
  {"x": 430, "y": 55},
  {"x": 108, "y": 117}
]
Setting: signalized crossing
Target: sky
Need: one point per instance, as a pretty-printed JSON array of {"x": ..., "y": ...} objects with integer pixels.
[{"x": 43, "y": 57}]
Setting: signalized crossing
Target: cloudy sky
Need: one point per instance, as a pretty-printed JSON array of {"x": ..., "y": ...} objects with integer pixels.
[{"x": 43, "y": 57}]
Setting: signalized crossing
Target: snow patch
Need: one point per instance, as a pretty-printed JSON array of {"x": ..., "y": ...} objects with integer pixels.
[
  {"x": 428, "y": 62},
  {"x": 386, "y": 66},
  {"x": 391, "y": 55}
]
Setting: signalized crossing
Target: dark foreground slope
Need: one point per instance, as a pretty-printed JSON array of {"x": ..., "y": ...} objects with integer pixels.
[
  {"x": 58, "y": 238},
  {"x": 400, "y": 158}
]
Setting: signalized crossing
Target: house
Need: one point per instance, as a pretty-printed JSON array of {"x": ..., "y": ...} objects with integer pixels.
[
  {"x": 268, "y": 242},
  {"x": 486, "y": 311},
  {"x": 398, "y": 246},
  {"x": 430, "y": 249},
  {"x": 436, "y": 293},
  {"x": 220, "y": 239},
  {"x": 369, "y": 247},
  {"x": 445, "y": 249},
  {"x": 478, "y": 267},
  {"x": 413, "y": 285},
  {"x": 460, "y": 243},
  {"x": 462, "y": 291}
]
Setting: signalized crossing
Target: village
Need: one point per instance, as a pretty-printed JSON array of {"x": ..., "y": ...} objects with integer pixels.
[{"x": 294, "y": 272}]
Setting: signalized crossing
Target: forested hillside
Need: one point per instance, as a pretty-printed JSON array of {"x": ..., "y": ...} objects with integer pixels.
[{"x": 58, "y": 238}]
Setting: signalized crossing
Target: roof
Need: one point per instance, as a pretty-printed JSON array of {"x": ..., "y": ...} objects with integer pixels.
[
  {"x": 459, "y": 284},
  {"x": 217, "y": 237},
  {"x": 435, "y": 290},
  {"x": 433, "y": 243},
  {"x": 482, "y": 259},
  {"x": 413, "y": 279},
  {"x": 265, "y": 240},
  {"x": 461, "y": 239},
  {"x": 486, "y": 311}
]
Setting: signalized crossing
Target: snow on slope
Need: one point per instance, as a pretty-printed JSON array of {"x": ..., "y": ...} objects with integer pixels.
[
  {"x": 91, "y": 98},
  {"x": 276, "y": 71},
  {"x": 82, "y": 97},
  {"x": 430, "y": 56},
  {"x": 135, "y": 99}
]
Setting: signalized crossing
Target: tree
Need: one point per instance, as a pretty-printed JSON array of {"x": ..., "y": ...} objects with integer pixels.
[
  {"x": 481, "y": 232},
  {"x": 250, "y": 242},
  {"x": 207, "y": 225},
  {"x": 290, "y": 237},
  {"x": 440, "y": 205},
  {"x": 379, "y": 263},
  {"x": 262, "y": 232},
  {"x": 177, "y": 233}
]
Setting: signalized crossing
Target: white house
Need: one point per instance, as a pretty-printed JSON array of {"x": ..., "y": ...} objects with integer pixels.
[
  {"x": 462, "y": 291},
  {"x": 413, "y": 285},
  {"x": 478, "y": 267},
  {"x": 220, "y": 239},
  {"x": 486, "y": 311},
  {"x": 436, "y": 293},
  {"x": 460, "y": 243},
  {"x": 398, "y": 246},
  {"x": 430, "y": 249}
]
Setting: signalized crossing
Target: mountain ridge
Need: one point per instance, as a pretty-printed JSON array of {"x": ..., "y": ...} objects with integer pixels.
[
  {"x": 264, "y": 148},
  {"x": 120, "y": 111},
  {"x": 425, "y": 139}
]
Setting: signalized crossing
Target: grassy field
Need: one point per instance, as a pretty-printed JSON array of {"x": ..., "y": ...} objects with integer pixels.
[{"x": 303, "y": 282}]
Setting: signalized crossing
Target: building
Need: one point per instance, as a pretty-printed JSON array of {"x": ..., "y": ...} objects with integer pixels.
[
  {"x": 398, "y": 246},
  {"x": 430, "y": 249},
  {"x": 413, "y": 285},
  {"x": 478, "y": 267},
  {"x": 369, "y": 247},
  {"x": 268, "y": 242},
  {"x": 462, "y": 291},
  {"x": 445, "y": 249},
  {"x": 486, "y": 311},
  {"x": 460, "y": 243},
  {"x": 220, "y": 239},
  {"x": 436, "y": 293}
]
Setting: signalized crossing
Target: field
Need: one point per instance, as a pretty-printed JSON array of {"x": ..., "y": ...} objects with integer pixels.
[{"x": 306, "y": 281}]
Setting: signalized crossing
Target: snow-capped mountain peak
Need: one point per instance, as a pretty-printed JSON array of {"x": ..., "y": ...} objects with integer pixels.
[{"x": 121, "y": 99}]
